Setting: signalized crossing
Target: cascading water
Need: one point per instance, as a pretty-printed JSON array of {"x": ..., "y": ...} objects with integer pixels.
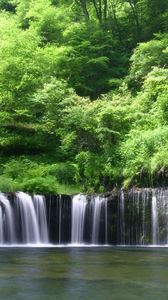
[
  {"x": 7, "y": 221},
  {"x": 97, "y": 205},
  {"x": 78, "y": 218},
  {"x": 106, "y": 221},
  {"x": 135, "y": 217},
  {"x": 1, "y": 227},
  {"x": 144, "y": 212},
  {"x": 29, "y": 222},
  {"x": 160, "y": 216},
  {"x": 23, "y": 219},
  {"x": 40, "y": 209},
  {"x": 122, "y": 217},
  {"x": 60, "y": 218},
  {"x": 154, "y": 219}
]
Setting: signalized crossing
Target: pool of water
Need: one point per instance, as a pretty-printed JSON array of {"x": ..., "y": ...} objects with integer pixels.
[{"x": 108, "y": 273}]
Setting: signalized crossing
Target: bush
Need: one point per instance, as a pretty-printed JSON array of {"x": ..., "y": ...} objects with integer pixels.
[
  {"x": 40, "y": 185},
  {"x": 64, "y": 172},
  {"x": 6, "y": 184}
]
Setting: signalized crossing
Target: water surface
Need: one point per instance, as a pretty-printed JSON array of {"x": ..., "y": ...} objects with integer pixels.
[{"x": 83, "y": 273}]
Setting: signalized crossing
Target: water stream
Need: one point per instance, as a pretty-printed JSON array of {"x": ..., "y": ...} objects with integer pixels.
[
  {"x": 109, "y": 273},
  {"x": 78, "y": 218},
  {"x": 137, "y": 217}
]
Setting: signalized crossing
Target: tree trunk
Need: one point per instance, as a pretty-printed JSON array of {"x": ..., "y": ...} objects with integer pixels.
[
  {"x": 105, "y": 10},
  {"x": 82, "y": 4},
  {"x": 136, "y": 17}
]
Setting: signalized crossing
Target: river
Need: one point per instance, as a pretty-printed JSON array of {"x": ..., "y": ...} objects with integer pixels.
[{"x": 83, "y": 273}]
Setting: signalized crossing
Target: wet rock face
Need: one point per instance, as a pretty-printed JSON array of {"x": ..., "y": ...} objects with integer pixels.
[{"x": 133, "y": 217}]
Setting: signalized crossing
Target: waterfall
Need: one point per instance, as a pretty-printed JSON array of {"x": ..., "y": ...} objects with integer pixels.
[
  {"x": 41, "y": 218},
  {"x": 134, "y": 217},
  {"x": 29, "y": 221},
  {"x": 154, "y": 219},
  {"x": 166, "y": 213},
  {"x": 160, "y": 216},
  {"x": 106, "y": 220},
  {"x": 23, "y": 220},
  {"x": 122, "y": 218},
  {"x": 60, "y": 218},
  {"x": 1, "y": 227},
  {"x": 97, "y": 205},
  {"x": 144, "y": 209},
  {"x": 7, "y": 221},
  {"x": 79, "y": 203}
]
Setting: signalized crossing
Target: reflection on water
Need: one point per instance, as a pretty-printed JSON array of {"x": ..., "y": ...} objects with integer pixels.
[{"x": 83, "y": 273}]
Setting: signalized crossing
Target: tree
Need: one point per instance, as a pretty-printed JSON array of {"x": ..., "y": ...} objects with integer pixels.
[{"x": 83, "y": 6}]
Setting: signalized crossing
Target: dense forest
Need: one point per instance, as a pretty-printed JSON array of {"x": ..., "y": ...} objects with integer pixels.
[{"x": 83, "y": 95}]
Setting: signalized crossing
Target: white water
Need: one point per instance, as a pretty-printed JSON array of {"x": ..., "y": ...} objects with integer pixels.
[
  {"x": 7, "y": 221},
  {"x": 122, "y": 218},
  {"x": 106, "y": 220},
  {"x": 40, "y": 209},
  {"x": 79, "y": 203},
  {"x": 154, "y": 219},
  {"x": 140, "y": 217},
  {"x": 97, "y": 205},
  {"x": 1, "y": 227},
  {"x": 60, "y": 218},
  {"x": 29, "y": 222},
  {"x": 145, "y": 205}
]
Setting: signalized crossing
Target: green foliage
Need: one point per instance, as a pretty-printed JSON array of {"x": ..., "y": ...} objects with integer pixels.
[
  {"x": 146, "y": 56},
  {"x": 142, "y": 152},
  {"x": 64, "y": 173},
  {"x": 89, "y": 166},
  {"x": 7, "y": 5},
  {"x": 32, "y": 176},
  {"x": 94, "y": 53},
  {"x": 73, "y": 115},
  {"x": 40, "y": 185},
  {"x": 6, "y": 184}
]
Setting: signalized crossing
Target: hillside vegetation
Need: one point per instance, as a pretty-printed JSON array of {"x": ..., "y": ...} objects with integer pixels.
[{"x": 83, "y": 95}]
